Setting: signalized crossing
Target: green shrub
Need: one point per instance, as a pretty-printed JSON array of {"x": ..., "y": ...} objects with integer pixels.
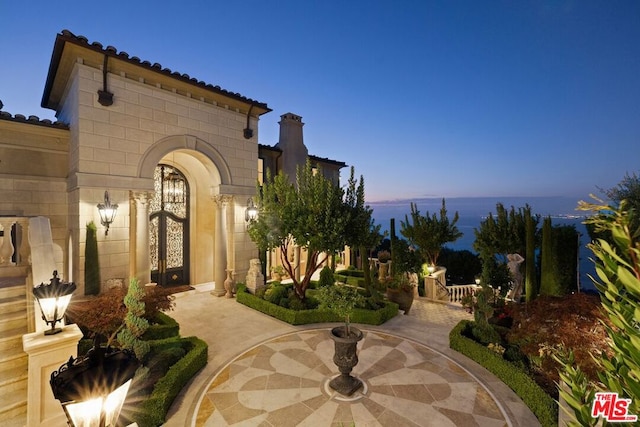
[
  {"x": 153, "y": 411},
  {"x": 540, "y": 403},
  {"x": 351, "y": 272},
  {"x": 275, "y": 293},
  {"x": 326, "y": 277},
  {"x": 162, "y": 326},
  {"x": 91, "y": 262},
  {"x": 303, "y": 317}
]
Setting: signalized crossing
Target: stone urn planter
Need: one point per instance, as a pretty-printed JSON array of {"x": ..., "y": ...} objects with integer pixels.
[
  {"x": 342, "y": 300},
  {"x": 345, "y": 358},
  {"x": 402, "y": 296}
]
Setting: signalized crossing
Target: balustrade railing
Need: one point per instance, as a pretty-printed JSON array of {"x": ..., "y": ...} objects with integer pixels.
[
  {"x": 457, "y": 292},
  {"x": 14, "y": 246}
]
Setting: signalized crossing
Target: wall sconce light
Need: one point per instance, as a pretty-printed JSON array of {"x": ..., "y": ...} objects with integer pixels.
[
  {"x": 93, "y": 388},
  {"x": 53, "y": 299},
  {"x": 251, "y": 213},
  {"x": 477, "y": 281},
  {"x": 431, "y": 269},
  {"x": 107, "y": 212}
]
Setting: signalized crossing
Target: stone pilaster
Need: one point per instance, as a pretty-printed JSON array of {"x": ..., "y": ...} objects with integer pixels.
[
  {"x": 140, "y": 244},
  {"x": 220, "y": 244}
]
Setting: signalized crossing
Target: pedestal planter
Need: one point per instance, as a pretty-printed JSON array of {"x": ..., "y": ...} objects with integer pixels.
[
  {"x": 402, "y": 297},
  {"x": 345, "y": 357}
]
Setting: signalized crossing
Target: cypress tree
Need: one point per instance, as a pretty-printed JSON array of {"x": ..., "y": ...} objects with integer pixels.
[
  {"x": 531, "y": 287},
  {"x": 91, "y": 265},
  {"x": 549, "y": 276}
]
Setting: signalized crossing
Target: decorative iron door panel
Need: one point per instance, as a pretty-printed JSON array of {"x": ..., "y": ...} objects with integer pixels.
[{"x": 169, "y": 228}]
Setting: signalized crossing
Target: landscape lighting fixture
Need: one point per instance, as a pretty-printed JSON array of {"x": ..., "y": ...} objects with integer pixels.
[
  {"x": 92, "y": 389},
  {"x": 53, "y": 299},
  {"x": 107, "y": 212}
]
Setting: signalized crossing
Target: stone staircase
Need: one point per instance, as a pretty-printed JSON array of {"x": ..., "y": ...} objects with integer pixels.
[{"x": 13, "y": 360}]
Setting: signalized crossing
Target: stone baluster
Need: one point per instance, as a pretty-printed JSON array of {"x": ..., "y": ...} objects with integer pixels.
[
  {"x": 6, "y": 250},
  {"x": 24, "y": 249}
]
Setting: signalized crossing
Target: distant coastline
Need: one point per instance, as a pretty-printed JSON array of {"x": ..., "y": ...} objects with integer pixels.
[{"x": 472, "y": 210}]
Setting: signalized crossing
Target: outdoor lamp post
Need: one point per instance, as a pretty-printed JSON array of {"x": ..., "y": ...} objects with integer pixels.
[
  {"x": 251, "y": 213},
  {"x": 107, "y": 212},
  {"x": 93, "y": 388},
  {"x": 53, "y": 299}
]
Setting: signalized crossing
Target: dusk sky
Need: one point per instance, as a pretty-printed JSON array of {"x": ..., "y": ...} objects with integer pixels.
[{"x": 423, "y": 98}]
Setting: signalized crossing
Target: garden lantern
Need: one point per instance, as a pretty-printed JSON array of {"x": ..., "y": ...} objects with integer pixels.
[
  {"x": 92, "y": 389},
  {"x": 53, "y": 299},
  {"x": 107, "y": 212},
  {"x": 251, "y": 213}
]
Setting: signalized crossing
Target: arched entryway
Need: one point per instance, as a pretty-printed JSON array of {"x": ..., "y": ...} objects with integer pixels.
[{"x": 169, "y": 222}]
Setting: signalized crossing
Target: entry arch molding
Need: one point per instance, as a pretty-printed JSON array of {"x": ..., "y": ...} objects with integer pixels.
[{"x": 153, "y": 155}]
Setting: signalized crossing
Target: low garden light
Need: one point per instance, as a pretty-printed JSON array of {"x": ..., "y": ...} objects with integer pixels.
[
  {"x": 251, "y": 213},
  {"x": 53, "y": 299},
  {"x": 92, "y": 389},
  {"x": 107, "y": 212}
]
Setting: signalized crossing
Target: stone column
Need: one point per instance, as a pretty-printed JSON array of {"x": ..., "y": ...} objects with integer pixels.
[
  {"x": 46, "y": 354},
  {"x": 220, "y": 244},
  {"x": 140, "y": 245}
]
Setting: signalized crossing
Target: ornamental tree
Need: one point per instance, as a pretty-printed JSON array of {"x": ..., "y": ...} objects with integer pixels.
[
  {"x": 430, "y": 232},
  {"x": 311, "y": 213}
]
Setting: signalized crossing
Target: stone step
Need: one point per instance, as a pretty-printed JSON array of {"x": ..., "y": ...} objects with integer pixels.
[
  {"x": 12, "y": 384},
  {"x": 11, "y": 339},
  {"x": 13, "y": 359},
  {"x": 14, "y": 414},
  {"x": 13, "y": 320},
  {"x": 9, "y": 272},
  {"x": 13, "y": 304},
  {"x": 15, "y": 290}
]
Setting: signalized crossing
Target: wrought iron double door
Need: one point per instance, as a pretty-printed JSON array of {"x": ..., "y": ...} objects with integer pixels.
[{"x": 169, "y": 231}]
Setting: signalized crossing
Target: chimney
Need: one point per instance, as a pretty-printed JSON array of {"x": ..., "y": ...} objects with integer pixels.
[{"x": 294, "y": 152}]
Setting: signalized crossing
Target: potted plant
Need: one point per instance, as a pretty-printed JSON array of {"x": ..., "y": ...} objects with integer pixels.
[
  {"x": 342, "y": 300},
  {"x": 383, "y": 268},
  {"x": 277, "y": 272},
  {"x": 400, "y": 289}
]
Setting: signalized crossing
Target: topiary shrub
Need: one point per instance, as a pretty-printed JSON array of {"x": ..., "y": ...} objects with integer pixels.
[
  {"x": 91, "y": 262},
  {"x": 134, "y": 324},
  {"x": 326, "y": 277}
]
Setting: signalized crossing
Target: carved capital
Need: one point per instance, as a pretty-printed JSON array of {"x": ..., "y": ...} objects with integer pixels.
[{"x": 222, "y": 200}]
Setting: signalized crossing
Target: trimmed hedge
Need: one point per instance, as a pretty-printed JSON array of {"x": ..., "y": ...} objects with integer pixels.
[
  {"x": 303, "y": 317},
  {"x": 540, "y": 403},
  {"x": 153, "y": 410},
  {"x": 162, "y": 326}
]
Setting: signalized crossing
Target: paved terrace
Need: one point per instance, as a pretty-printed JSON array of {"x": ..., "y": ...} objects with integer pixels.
[{"x": 264, "y": 372}]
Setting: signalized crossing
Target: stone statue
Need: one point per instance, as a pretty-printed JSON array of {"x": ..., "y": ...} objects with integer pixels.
[
  {"x": 514, "y": 261},
  {"x": 255, "y": 278}
]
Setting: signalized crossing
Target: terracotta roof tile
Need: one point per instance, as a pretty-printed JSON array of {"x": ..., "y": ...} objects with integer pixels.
[
  {"x": 35, "y": 120},
  {"x": 68, "y": 36}
]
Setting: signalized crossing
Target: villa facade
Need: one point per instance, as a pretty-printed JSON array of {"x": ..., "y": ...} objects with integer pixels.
[{"x": 179, "y": 157}]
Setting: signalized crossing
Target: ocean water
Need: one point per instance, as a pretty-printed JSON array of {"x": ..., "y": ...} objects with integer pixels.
[{"x": 472, "y": 210}]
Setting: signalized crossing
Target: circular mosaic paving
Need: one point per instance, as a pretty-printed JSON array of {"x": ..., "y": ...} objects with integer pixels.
[{"x": 282, "y": 382}]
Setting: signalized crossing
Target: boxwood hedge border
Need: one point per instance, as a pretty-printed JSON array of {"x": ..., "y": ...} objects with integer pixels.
[
  {"x": 304, "y": 317},
  {"x": 544, "y": 407}
]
